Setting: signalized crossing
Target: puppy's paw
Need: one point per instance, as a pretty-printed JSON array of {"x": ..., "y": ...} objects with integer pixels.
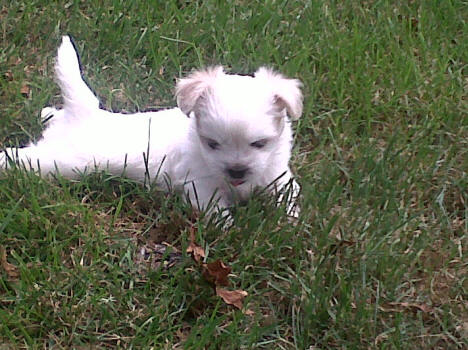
[
  {"x": 6, "y": 158},
  {"x": 47, "y": 113},
  {"x": 3, "y": 160},
  {"x": 293, "y": 212},
  {"x": 289, "y": 195}
]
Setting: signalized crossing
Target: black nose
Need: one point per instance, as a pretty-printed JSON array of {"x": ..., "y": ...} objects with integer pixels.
[{"x": 237, "y": 172}]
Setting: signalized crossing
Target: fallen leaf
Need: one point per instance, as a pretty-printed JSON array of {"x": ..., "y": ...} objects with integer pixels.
[
  {"x": 10, "y": 269},
  {"x": 183, "y": 333},
  {"x": 232, "y": 297},
  {"x": 15, "y": 60},
  {"x": 9, "y": 76},
  {"x": 197, "y": 252},
  {"x": 463, "y": 329},
  {"x": 248, "y": 312},
  {"x": 25, "y": 90},
  {"x": 216, "y": 272},
  {"x": 192, "y": 234}
]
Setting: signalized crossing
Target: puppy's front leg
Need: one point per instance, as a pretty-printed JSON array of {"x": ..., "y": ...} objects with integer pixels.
[
  {"x": 289, "y": 193},
  {"x": 293, "y": 208}
]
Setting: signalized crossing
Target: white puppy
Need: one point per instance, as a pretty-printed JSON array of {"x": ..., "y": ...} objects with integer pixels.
[{"x": 230, "y": 135}]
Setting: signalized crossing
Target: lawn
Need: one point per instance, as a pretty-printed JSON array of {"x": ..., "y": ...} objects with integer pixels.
[{"x": 379, "y": 256}]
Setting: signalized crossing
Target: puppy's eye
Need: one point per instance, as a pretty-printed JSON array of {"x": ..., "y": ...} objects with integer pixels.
[
  {"x": 259, "y": 144},
  {"x": 212, "y": 144}
]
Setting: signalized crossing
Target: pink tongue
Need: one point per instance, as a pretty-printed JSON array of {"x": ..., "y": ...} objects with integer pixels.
[{"x": 237, "y": 182}]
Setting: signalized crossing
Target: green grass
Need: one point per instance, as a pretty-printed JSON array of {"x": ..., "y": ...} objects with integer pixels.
[{"x": 379, "y": 257}]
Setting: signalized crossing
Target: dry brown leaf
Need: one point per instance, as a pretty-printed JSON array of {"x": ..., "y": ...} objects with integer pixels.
[
  {"x": 25, "y": 90},
  {"x": 15, "y": 60},
  {"x": 216, "y": 272},
  {"x": 249, "y": 312},
  {"x": 463, "y": 329},
  {"x": 9, "y": 76},
  {"x": 192, "y": 234},
  {"x": 183, "y": 334},
  {"x": 10, "y": 269},
  {"x": 197, "y": 252},
  {"x": 232, "y": 297}
]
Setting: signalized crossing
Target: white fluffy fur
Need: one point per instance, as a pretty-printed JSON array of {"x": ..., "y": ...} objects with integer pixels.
[{"x": 230, "y": 134}]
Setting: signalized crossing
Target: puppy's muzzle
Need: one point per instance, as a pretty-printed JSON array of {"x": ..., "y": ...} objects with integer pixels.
[{"x": 237, "y": 172}]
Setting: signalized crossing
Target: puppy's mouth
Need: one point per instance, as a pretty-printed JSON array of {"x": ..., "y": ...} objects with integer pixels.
[{"x": 236, "y": 183}]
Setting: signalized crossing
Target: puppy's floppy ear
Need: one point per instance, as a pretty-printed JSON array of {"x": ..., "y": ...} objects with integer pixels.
[
  {"x": 287, "y": 91},
  {"x": 190, "y": 89}
]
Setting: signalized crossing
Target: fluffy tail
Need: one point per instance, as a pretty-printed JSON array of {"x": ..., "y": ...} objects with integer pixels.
[{"x": 78, "y": 97}]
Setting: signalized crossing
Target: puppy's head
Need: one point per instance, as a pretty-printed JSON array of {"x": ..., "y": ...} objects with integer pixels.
[{"x": 240, "y": 121}]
